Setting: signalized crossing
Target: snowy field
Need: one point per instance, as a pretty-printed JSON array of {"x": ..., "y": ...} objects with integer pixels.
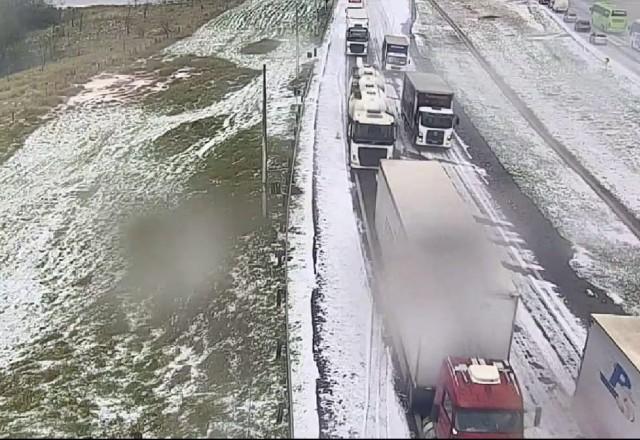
[
  {"x": 606, "y": 253},
  {"x": 95, "y": 346}
]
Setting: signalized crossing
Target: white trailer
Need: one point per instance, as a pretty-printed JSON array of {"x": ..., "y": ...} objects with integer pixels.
[
  {"x": 444, "y": 290},
  {"x": 608, "y": 389}
]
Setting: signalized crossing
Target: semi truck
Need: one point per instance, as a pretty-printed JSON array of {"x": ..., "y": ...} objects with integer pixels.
[
  {"x": 607, "y": 391},
  {"x": 357, "y": 33},
  {"x": 448, "y": 303},
  {"x": 371, "y": 129},
  {"x": 427, "y": 108},
  {"x": 395, "y": 52}
]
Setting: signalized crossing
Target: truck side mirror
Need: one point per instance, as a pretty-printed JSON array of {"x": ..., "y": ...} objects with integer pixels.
[
  {"x": 456, "y": 121},
  {"x": 537, "y": 417}
]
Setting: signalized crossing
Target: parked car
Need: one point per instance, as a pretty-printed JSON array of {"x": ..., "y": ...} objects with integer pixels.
[
  {"x": 582, "y": 26},
  {"x": 570, "y": 17},
  {"x": 598, "y": 38}
]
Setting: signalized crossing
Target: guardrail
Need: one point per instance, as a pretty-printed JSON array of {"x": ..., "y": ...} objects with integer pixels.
[{"x": 299, "y": 112}]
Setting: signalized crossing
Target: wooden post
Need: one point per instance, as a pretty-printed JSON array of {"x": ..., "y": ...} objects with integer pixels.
[{"x": 264, "y": 140}]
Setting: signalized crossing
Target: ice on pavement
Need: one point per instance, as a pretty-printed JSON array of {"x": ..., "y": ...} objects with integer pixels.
[{"x": 606, "y": 253}]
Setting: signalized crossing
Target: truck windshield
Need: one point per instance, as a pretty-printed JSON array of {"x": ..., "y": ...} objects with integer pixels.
[
  {"x": 434, "y": 120},
  {"x": 357, "y": 34},
  {"x": 373, "y": 134},
  {"x": 396, "y": 48},
  {"x": 435, "y": 100},
  {"x": 488, "y": 421}
]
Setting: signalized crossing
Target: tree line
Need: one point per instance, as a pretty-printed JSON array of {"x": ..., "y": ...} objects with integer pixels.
[{"x": 18, "y": 17}]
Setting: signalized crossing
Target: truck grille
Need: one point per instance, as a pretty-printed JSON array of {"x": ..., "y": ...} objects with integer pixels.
[
  {"x": 356, "y": 48},
  {"x": 435, "y": 137},
  {"x": 370, "y": 157}
]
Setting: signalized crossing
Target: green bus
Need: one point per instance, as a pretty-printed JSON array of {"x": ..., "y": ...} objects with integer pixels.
[{"x": 607, "y": 17}]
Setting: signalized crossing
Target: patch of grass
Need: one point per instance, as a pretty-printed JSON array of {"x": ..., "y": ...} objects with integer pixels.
[
  {"x": 261, "y": 47},
  {"x": 209, "y": 79},
  {"x": 184, "y": 136}
]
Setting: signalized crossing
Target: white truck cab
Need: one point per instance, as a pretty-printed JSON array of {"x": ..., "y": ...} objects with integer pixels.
[
  {"x": 357, "y": 33},
  {"x": 395, "y": 52},
  {"x": 435, "y": 126}
]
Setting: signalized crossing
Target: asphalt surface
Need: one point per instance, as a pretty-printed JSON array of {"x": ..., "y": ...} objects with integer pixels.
[{"x": 552, "y": 251}]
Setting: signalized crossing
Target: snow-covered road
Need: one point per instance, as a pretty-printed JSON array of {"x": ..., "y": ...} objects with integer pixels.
[
  {"x": 345, "y": 346},
  {"x": 548, "y": 338}
]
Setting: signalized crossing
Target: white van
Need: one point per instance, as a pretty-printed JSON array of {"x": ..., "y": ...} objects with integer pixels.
[{"x": 560, "y": 6}]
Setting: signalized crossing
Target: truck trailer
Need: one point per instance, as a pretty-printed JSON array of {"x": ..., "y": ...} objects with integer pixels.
[
  {"x": 427, "y": 107},
  {"x": 448, "y": 303},
  {"x": 357, "y": 33},
  {"x": 607, "y": 392}
]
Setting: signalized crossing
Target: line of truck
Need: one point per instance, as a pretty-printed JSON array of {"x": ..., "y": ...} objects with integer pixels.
[
  {"x": 449, "y": 307},
  {"x": 426, "y": 102},
  {"x": 448, "y": 301}
]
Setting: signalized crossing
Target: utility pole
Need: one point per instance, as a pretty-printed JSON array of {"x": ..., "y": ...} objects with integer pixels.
[
  {"x": 297, "y": 46},
  {"x": 264, "y": 140}
]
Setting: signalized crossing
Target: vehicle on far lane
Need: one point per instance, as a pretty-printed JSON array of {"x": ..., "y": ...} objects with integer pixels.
[
  {"x": 598, "y": 38},
  {"x": 559, "y": 6},
  {"x": 569, "y": 17},
  {"x": 543, "y": 2},
  {"x": 634, "y": 34},
  {"x": 582, "y": 26},
  {"x": 608, "y": 18}
]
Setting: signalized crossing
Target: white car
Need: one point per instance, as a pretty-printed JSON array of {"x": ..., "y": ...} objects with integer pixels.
[
  {"x": 598, "y": 38},
  {"x": 570, "y": 17}
]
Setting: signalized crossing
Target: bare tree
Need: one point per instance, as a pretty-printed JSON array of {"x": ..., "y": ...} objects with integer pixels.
[
  {"x": 127, "y": 19},
  {"x": 166, "y": 27},
  {"x": 145, "y": 9}
]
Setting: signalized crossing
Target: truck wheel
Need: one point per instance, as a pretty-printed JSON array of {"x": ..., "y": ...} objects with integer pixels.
[{"x": 428, "y": 429}]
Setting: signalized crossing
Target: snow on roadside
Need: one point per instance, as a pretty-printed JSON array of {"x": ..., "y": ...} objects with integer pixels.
[
  {"x": 608, "y": 251},
  {"x": 342, "y": 302}
]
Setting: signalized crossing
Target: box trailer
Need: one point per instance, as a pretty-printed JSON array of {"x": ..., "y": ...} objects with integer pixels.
[
  {"x": 607, "y": 392},
  {"x": 449, "y": 303},
  {"x": 427, "y": 108}
]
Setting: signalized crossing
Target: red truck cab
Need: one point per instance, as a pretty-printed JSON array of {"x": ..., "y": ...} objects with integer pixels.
[{"x": 477, "y": 398}]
